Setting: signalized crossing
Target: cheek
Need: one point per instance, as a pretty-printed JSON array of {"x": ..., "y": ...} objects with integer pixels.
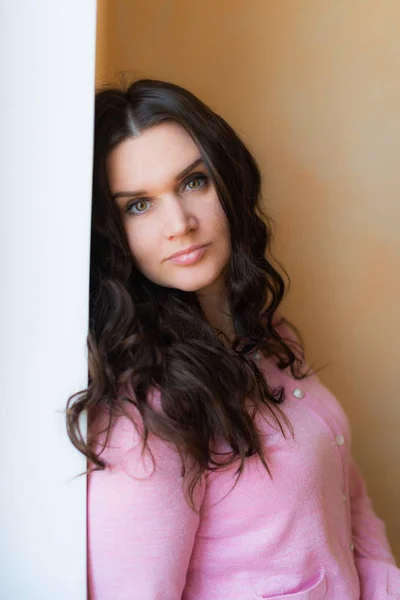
[{"x": 141, "y": 245}]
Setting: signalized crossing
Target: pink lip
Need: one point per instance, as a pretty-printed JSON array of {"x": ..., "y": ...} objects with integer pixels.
[{"x": 188, "y": 256}]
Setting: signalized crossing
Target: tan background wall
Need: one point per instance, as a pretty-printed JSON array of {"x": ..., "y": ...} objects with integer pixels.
[{"x": 314, "y": 89}]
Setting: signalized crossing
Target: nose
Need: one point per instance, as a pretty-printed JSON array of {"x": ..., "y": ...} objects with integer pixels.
[{"x": 178, "y": 219}]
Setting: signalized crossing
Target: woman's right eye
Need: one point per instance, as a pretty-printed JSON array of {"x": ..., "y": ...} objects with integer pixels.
[{"x": 138, "y": 207}]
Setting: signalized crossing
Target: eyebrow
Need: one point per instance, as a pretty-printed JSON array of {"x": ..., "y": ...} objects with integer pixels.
[{"x": 186, "y": 171}]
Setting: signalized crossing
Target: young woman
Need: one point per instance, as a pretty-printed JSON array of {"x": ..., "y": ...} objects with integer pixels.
[{"x": 223, "y": 467}]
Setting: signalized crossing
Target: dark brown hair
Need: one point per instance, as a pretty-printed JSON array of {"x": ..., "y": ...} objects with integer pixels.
[{"x": 144, "y": 337}]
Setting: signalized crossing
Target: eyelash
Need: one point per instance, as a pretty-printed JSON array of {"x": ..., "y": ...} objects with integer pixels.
[{"x": 197, "y": 176}]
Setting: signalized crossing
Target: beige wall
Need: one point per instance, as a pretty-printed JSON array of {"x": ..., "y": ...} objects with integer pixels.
[{"x": 314, "y": 88}]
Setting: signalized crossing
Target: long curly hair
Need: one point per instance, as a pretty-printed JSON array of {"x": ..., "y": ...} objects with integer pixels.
[{"x": 144, "y": 338}]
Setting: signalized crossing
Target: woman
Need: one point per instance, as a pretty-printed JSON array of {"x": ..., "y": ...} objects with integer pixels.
[{"x": 223, "y": 466}]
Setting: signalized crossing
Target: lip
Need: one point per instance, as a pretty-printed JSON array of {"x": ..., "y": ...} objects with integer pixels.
[{"x": 189, "y": 255}]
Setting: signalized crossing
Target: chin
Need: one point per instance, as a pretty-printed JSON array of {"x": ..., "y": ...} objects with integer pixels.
[
  {"x": 198, "y": 284},
  {"x": 189, "y": 288}
]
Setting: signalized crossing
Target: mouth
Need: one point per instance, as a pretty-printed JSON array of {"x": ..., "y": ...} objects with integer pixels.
[{"x": 189, "y": 256}]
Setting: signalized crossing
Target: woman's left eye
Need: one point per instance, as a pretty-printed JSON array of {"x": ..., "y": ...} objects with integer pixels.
[{"x": 196, "y": 182}]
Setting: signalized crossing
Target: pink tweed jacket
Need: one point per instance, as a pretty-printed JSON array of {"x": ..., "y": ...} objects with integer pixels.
[{"x": 309, "y": 533}]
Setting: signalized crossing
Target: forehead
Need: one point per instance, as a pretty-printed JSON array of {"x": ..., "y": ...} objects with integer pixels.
[{"x": 152, "y": 159}]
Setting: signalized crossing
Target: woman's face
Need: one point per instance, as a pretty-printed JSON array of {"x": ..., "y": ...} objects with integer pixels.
[{"x": 168, "y": 204}]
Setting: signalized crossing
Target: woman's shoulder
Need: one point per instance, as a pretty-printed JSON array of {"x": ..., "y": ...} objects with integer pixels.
[
  {"x": 310, "y": 383},
  {"x": 118, "y": 428}
]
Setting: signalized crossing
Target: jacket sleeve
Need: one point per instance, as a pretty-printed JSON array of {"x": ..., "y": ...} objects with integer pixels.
[
  {"x": 141, "y": 529},
  {"x": 375, "y": 563}
]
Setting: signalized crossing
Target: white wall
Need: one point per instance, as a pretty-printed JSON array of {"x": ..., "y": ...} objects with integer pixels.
[{"x": 46, "y": 121}]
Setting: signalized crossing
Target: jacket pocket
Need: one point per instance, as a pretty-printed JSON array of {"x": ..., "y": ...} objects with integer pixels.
[{"x": 315, "y": 592}]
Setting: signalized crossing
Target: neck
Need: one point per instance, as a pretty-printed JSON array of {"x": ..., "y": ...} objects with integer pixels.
[{"x": 216, "y": 310}]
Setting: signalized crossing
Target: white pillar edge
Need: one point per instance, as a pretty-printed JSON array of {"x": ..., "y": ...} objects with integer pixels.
[{"x": 46, "y": 125}]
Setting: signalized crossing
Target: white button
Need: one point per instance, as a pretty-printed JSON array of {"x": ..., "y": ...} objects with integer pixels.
[
  {"x": 340, "y": 440},
  {"x": 298, "y": 393},
  {"x": 352, "y": 547},
  {"x": 257, "y": 355}
]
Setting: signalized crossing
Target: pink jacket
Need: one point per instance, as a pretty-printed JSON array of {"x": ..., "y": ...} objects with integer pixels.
[{"x": 310, "y": 533}]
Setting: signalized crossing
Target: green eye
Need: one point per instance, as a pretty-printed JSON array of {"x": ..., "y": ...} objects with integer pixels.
[
  {"x": 196, "y": 182},
  {"x": 138, "y": 207}
]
